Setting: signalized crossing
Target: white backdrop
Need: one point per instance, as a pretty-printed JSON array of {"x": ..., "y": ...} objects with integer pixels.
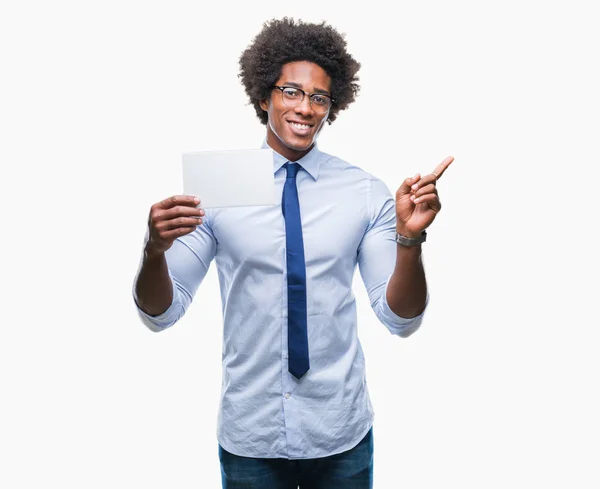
[{"x": 498, "y": 389}]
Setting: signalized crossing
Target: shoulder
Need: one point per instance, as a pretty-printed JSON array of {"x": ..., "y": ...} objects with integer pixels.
[{"x": 336, "y": 165}]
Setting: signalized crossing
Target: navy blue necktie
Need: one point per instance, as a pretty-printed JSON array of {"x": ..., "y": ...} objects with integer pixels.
[{"x": 296, "y": 276}]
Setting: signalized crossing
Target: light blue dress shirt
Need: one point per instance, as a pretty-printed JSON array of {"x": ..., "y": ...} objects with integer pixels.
[{"x": 348, "y": 218}]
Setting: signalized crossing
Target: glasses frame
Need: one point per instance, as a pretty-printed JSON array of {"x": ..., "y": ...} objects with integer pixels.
[{"x": 304, "y": 94}]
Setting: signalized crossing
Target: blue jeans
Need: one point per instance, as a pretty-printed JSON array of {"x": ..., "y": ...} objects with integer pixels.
[{"x": 352, "y": 469}]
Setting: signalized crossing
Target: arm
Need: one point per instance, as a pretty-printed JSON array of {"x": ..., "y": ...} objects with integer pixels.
[
  {"x": 382, "y": 264},
  {"x": 407, "y": 289},
  {"x": 417, "y": 205},
  {"x": 153, "y": 287},
  {"x": 178, "y": 250}
]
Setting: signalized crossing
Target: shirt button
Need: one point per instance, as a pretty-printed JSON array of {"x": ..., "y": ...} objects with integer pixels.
[{"x": 287, "y": 395}]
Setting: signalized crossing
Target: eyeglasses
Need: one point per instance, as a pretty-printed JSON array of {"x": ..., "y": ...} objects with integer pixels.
[{"x": 293, "y": 97}]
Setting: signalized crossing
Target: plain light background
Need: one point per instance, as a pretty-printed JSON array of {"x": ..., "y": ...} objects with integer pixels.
[{"x": 98, "y": 100}]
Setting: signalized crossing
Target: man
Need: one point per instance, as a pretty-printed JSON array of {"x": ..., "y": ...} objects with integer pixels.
[{"x": 295, "y": 409}]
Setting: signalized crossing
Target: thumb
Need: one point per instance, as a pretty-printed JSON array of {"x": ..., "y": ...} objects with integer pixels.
[{"x": 405, "y": 188}]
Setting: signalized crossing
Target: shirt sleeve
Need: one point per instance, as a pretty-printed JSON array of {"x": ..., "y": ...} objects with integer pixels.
[
  {"x": 377, "y": 259},
  {"x": 188, "y": 260}
]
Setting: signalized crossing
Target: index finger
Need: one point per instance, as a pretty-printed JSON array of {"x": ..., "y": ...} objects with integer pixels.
[
  {"x": 441, "y": 168},
  {"x": 188, "y": 200}
]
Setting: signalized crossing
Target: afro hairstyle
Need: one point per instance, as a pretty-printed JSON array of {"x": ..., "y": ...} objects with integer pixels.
[{"x": 284, "y": 41}]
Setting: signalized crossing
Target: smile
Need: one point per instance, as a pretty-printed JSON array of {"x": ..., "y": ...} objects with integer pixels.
[{"x": 299, "y": 128}]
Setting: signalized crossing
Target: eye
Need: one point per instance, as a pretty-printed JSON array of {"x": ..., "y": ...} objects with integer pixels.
[
  {"x": 291, "y": 93},
  {"x": 320, "y": 100}
]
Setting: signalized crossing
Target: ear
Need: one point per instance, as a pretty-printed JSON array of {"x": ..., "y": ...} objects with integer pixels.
[{"x": 264, "y": 105}]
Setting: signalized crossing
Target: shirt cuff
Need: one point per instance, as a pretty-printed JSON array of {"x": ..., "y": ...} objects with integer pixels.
[{"x": 398, "y": 325}]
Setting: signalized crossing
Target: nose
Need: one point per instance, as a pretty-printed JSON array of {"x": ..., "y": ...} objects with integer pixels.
[{"x": 304, "y": 107}]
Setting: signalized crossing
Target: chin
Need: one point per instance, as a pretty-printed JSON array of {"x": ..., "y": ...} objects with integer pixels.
[
  {"x": 292, "y": 141},
  {"x": 299, "y": 146},
  {"x": 295, "y": 143},
  {"x": 299, "y": 143}
]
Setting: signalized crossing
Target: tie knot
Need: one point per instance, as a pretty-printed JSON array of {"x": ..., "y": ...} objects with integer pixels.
[{"x": 292, "y": 169}]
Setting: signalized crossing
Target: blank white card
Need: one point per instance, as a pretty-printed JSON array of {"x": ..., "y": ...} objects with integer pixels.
[{"x": 230, "y": 178}]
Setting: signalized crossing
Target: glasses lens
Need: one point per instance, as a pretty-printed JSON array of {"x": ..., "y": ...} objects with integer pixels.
[
  {"x": 292, "y": 97},
  {"x": 320, "y": 103}
]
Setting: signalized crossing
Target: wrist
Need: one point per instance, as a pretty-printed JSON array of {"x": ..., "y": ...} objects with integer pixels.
[
  {"x": 409, "y": 234},
  {"x": 151, "y": 253},
  {"x": 409, "y": 241}
]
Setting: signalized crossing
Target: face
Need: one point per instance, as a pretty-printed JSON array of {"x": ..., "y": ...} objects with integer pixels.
[{"x": 292, "y": 131}]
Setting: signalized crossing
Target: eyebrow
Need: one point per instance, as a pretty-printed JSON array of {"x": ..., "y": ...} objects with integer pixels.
[{"x": 297, "y": 85}]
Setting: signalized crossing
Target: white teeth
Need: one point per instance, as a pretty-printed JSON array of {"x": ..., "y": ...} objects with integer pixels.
[{"x": 300, "y": 126}]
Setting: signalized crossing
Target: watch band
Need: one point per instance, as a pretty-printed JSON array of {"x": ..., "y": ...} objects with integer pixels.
[{"x": 404, "y": 241}]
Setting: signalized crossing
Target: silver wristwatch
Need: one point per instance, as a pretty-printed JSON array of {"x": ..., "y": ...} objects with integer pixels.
[{"x": 404, "y": 241}]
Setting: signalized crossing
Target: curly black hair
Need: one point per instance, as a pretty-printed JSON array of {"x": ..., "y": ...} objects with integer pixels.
[{"x": 284, "y": 41}]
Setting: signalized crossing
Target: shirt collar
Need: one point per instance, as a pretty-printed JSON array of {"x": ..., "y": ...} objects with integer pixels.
[{"x": 311, "y": 162}]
